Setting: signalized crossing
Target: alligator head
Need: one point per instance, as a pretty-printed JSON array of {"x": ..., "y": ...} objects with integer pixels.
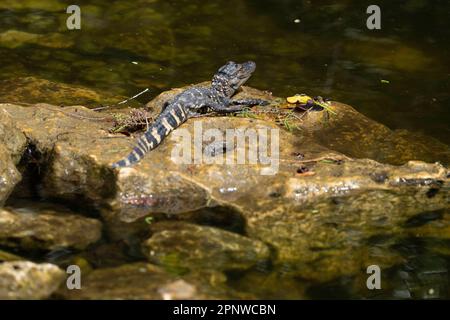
[{"x": 231, "y": 76}]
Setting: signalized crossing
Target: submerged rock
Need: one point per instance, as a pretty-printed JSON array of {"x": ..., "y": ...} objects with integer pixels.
[
  {"x": 48, "y": 5},
  {"x": 35, "y": 90},
  {"x": 181, "y": 245},
  {"x": 147, "y": 282},
  {"x": 28, "y": 280},
  {"x": 15, "y": 38},
  {"x": 46, "y": 227},
  {"x": 340, "y": 236},
  {"x": 270, "y": 285}
]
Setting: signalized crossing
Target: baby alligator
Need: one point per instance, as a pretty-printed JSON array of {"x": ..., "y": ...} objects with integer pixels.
[{"x": 193, "y": 102}]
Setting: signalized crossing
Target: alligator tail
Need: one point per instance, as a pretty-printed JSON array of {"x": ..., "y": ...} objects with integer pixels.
[{"x": 168, "y": 120}]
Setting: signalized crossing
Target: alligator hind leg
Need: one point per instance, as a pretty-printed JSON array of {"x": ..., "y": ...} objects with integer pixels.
[{"x": 250, "y": 102}]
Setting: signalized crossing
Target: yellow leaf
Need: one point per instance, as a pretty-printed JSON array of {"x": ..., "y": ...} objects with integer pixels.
[{"x": 299, "y": 98}]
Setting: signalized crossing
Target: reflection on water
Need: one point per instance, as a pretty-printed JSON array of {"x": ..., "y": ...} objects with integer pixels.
[{"x": 397, "y": 75}]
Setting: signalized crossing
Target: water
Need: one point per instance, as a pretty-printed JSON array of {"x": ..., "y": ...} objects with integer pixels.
[
  {"x": 330, "y": 52},
  {"x": 399, "y": 75}
]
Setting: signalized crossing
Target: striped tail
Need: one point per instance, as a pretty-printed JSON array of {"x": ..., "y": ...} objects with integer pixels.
[{"x": 168, "y": 120}]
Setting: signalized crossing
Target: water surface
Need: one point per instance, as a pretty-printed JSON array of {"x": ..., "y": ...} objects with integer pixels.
[{"x": 398, "y": 75}]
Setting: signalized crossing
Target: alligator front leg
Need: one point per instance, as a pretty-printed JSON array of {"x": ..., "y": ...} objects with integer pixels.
[
  {"x": 227, "y": 109},
  {"x": 235, "y": 105}
]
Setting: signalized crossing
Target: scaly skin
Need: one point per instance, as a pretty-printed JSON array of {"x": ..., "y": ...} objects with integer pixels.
[{"x": 192, "y": 103}]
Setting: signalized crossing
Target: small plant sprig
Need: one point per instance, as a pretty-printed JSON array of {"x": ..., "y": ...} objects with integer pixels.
[
  {"x": 287, "y": 121},
  {"x": 284, "y": 118},
  {"x": 247, "y": 113},
  {"x": 325, "y": 105}
]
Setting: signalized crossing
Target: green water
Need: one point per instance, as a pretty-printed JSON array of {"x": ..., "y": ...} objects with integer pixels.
[
  {"x": 399, "y": 75},
  {"x": 330, "y": 52}
]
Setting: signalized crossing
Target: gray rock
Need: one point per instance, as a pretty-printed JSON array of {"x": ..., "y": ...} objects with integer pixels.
[
  {"x": 182, "y": 245},
  {"x": 11, "y": 138},
  {"x": 28, "y": 280},
  {"x": 141, "y": 281},
  {"x": 46, "y": 227},
  {"x": 9, "y": 175},
  {"x": 12, "y": 145}
]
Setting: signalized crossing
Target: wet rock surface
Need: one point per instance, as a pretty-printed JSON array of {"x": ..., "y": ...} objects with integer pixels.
[
  {"x": 27, "y": 280},
  {"x": 341, "y": 192},
  {"x": 9, "y": 175},
  {"x": 357, "y": 136},
  {"x": 11, "y": 138},
  {"x": 183, "y": 245},
  {"x": 12, "y": 146},
  {"x": 46, "y": 227}
]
